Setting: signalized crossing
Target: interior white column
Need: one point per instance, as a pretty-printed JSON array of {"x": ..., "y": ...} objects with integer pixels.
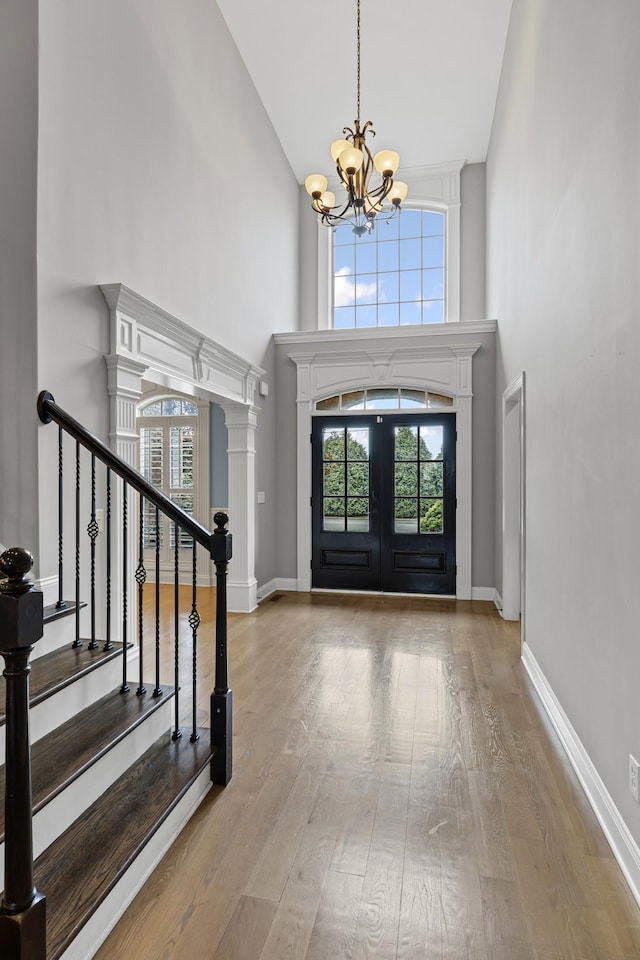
[
  {"x": 242, "y": 586},
  {"x": 124, "y": 385}
]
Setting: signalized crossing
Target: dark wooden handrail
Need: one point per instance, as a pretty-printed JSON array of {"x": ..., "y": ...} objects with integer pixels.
[{"x": 48, "y": 410}]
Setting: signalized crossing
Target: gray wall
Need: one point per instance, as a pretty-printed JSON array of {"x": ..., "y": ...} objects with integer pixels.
[
  {"x": 483, "y": 447},
  {"x": 18, "y": 303},
  {"x": 472, "y": 242},
  {"x": 563, "y": 209},
  {"x": 155, "y": 154}
]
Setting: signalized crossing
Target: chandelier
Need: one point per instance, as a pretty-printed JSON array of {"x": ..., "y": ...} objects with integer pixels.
[{"x": 354, "y": 164}]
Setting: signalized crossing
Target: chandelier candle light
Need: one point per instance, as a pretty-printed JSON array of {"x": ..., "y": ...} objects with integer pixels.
[{"x": 354, "y": 163}]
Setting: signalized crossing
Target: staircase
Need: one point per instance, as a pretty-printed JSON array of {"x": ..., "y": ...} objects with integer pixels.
[{"x": 110, "y": 779}]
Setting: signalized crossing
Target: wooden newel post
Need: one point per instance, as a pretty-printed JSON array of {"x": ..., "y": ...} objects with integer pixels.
[
  {"x": 221, "y": 698},
  {"x": 22, "y": 912}
]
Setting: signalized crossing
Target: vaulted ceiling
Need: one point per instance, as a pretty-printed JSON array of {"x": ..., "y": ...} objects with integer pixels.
[{"x": 429, "y": 73}]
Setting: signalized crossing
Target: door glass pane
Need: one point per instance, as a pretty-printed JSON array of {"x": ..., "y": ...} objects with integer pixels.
[
  {"x": 406, "y": 443},
  {"x": 358, "y": 444},
  {"x": 432, "y": 519},
  {"x": 406, "y": 515},
  {"x": 406, "y": 483},
  {"x": 358, "y": 514},
  {"x": 431, "y": 479},
  {"x": 334, "y": 479},
  {"x": 333, "y": 513},
  {"x": 358, "y": 480},
  {"x": 181, "y": 457},
  {"x": 431, "y": 443},
  {"x": 333, "y": 443}
]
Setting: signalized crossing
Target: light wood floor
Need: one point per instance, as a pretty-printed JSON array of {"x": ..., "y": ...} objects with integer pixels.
[{"x": 397, "y": 795}]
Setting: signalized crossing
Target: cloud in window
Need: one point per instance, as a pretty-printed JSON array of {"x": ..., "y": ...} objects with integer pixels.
[{"x": 346, "y": 289}]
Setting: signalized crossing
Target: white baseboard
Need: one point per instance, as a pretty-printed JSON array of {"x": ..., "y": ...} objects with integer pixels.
[
  {"x": 625, "y": 848},
  {"x": 277, "y": 583},
  {"x": 484, "y": 593},
  {"x": 498, "y": 602}
]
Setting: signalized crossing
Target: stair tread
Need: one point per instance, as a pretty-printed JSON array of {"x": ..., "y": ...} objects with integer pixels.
[
  {"x": 54, "y": 612},
  {"x": 62, "y": 755},
  {"x": 83, "y": 865},
  {"x": 57, "y": 669}
]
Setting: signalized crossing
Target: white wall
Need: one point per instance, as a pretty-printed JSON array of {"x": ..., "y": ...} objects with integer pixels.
[
  {"x": 159, "y": 168},
  {"x": 563, "y": 211},
  {"x": 18, "y": 307}
]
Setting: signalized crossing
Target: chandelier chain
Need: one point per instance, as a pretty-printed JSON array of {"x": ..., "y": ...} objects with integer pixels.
[{"x": 358, "y": 83}]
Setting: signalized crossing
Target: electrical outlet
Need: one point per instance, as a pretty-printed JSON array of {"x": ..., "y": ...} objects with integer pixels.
[
  {"x": 633, "y": 776},
  {"x": 100, "y": 520}
]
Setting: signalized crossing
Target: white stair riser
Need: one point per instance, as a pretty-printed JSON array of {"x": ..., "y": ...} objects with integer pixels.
[
  {"x": 94, "y": 933},
  {"x": 54, "y": 818},
  {"x": 57, "y": 633},
  {"x": 57, "y": 709}
]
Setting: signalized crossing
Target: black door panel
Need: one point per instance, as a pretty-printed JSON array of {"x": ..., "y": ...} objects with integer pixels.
[{"x": 383, "y": 503}]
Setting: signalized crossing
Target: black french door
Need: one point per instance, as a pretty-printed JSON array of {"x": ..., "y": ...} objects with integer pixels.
[{"x": 383, "y": 502}]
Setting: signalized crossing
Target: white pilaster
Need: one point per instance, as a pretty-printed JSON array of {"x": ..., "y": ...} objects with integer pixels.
[
  {"x": 242, "y": 586},
  {"x": 124, "y": 387}
]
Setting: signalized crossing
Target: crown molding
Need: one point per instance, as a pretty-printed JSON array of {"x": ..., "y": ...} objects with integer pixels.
[{"x": 467, "y": 328}]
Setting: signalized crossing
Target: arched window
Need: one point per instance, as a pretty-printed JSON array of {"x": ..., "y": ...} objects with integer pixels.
[{"x": 174, "y": 454}]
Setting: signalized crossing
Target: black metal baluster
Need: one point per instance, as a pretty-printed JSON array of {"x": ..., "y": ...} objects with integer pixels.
[
  {"x": 61, "y": 601},
  {"x": 222, "y": 696},
  {"x": 125, "y": 589},
  {"x": 77, "y": 642},
  {"x": 176, "y": 644},
  {"x": 141, "y": 576},
  {"x": 157, "y": 691},
  {"x": 194, "y": 623},
  {"x": 108, "y": 644},
  {"x": 93, "y": 532}
]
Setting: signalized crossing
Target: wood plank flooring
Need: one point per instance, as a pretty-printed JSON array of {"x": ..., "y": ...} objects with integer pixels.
[{"x": 397, "y": 794}]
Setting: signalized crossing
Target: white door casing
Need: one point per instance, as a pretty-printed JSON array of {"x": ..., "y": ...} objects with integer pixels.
[{"x": 440, "y": 368}]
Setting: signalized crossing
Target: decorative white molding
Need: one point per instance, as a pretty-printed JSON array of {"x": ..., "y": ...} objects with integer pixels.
[
  {"x": 439, "y": 367},
  {"x": 317, "y": 337},
  {"x": 175, "y": 355},
  {"x": 242, "y": 586},
  {"x": 147, "y": 341},
  {"x": 625, "y": 848}
]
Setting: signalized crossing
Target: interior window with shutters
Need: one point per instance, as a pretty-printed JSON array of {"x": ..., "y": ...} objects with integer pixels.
[{"x": 167, "y": 460}]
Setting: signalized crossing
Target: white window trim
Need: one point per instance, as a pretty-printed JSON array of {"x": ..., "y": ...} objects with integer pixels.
[{"x": 435, "y": 187}]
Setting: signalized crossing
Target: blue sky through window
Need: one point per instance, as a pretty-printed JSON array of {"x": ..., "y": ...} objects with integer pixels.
[{"x": 392, "y": 276}]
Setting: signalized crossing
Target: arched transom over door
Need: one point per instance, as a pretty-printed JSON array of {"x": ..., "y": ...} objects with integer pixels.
[{"x": 413, "y": 456}]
